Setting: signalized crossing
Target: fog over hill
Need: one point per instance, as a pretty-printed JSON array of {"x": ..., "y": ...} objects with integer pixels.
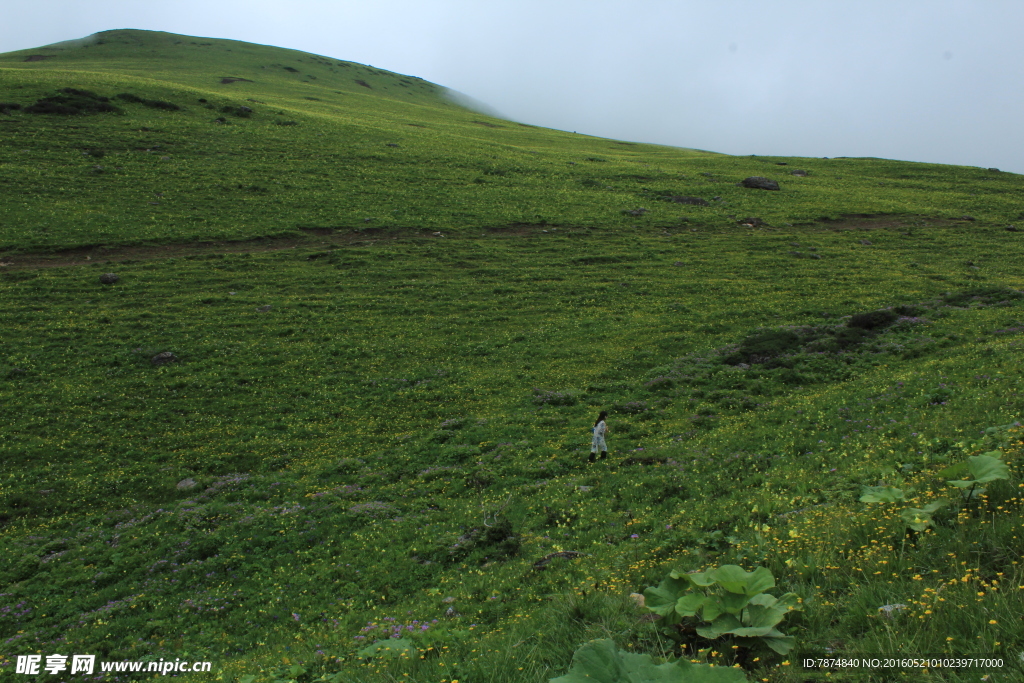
[{"x": 921, "y": 81}]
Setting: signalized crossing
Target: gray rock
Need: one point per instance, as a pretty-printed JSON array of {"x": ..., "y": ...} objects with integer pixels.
[
  {"x": 866, "y": 243},
  {"x": 163, "y": 357},
  {"x": 264, "y": 309},
  {"x": 759, "y": 183},
  {"x": 678, "y": 264},
  {"x": 798, "y": 171},
  {"x": 635, "y": 212},
  {"x": 109, "y": 278},
  {"x": 743, "y": 366},
  {"x": 994, "y": 170},
  {"x": 1011, "y": 228},
  {"x": 186, "y": 484},
  {"x": 892, "y": 610}
]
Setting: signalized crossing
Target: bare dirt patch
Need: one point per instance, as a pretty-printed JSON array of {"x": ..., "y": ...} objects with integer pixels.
[
  {"x": 314, "y": 237},
  {"x": 518, "y": 229},
  {"x": 318, "y": 237},
  {"x": 870, "y": 222},
  {"x": 233, "y": 79}
]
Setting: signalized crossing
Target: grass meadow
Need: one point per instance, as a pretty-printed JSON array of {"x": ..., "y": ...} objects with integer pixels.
[{"x": 393, "y": 322}]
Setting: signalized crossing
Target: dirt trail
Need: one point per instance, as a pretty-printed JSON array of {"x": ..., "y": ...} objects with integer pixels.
[
  {"x": 84, "y": 256},
  {"x": 315, "y": 238}
]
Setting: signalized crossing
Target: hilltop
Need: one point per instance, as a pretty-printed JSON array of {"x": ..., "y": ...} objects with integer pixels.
[
  {"x": 330, "y": 420},
  {"x": 210, "y": 62},
  {"x": 310, "y": 144}
]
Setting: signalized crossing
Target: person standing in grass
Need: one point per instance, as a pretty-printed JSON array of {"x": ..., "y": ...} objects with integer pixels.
[{"x": 598, "y": 444}]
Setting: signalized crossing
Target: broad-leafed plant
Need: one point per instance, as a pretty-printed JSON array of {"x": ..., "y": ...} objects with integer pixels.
[
  {"x": 601, "y": 661},
  {"x": 726, "y": 601}
]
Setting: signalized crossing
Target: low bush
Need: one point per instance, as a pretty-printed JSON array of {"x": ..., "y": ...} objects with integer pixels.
[{"x": 72, "y": 102}]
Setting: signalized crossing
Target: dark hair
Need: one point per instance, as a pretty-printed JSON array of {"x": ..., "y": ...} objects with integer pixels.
[{"x": 603, "y": 415}]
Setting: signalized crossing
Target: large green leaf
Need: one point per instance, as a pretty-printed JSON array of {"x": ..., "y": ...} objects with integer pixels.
[
  {"x": 701, "y": 579},
  {"x": 920, "y": 519},
  {"x": 765, "y": 611},
  {"x": 956, "y": 470},
  {"x": 735, "y": 579},
  {"x": 662, "y": 600},
  {"x": 985, "y": 468},
  {"x": 778, "y": 642},
  {"x": 733, "y": 603},
  {"x": 880, "y": 494},
  {"x": 601, "y": 662},
  {"x": 751, "y": 631},
  {"x": 789, "y": 600},
  {"x": 725, "y": 623},
  {"x": 688, "y": 605}
]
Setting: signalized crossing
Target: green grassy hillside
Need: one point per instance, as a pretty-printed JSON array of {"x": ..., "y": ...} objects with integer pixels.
[
  {"x": 329, "y": 153},
  {"x": 206, "y": 62},
  {"x": 372, "y": 435}
]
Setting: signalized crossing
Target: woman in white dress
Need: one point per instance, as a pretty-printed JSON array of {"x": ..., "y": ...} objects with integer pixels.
[{"x": 598, "y": 444}]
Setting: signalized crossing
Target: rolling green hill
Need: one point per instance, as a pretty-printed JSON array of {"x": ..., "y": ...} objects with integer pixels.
[
  {"x": 206, "y": 62},
  {"x": 334, "y": 145},
  {"x": 330, "y": 421}
]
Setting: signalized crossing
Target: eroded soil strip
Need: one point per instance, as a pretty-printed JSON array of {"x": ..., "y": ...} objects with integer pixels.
[{"x": 328, "y": 237}]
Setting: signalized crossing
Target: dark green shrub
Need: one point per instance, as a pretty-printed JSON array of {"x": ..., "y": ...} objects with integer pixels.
[
  {"x": 909, "y": 310},
  {"x": 243, "y": 112},
  {"x": 72, "y": 102},
  {"x": 160, "y": 104},
  {"x": 764, "y": 345},
  {"x": 980, "y": 295},
  {"x": 660, "y": 383},
  {"x": 554, "y": 398},
  {"x": 25, "y": 568},
  {"x": 629, "y": 408},
  {"x": 850, "y": 336},
  {"x": 873, "y": 319},
  {"x": 497, "y": 541}
]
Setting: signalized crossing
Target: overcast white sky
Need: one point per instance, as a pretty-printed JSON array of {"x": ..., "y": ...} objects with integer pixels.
[{"x": 922, "y": 80}]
